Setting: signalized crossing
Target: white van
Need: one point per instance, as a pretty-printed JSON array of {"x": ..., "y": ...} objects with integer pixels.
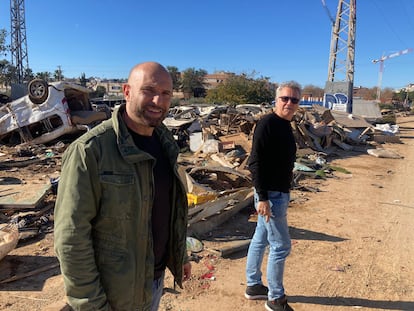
[{"x": 48, "y": 111}]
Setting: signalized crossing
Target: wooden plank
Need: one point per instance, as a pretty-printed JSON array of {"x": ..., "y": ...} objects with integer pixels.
[
  {"x": 211, "y": 208},
  {"x": 381, "y": 138},
  {"x": 9, "y": 237},
  {"x": 204, "y": 225},
  {"x": 240, "y": 139}
]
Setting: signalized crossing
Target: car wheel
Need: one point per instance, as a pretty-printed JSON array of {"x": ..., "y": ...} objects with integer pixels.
[{"x": 38, "y": 91}]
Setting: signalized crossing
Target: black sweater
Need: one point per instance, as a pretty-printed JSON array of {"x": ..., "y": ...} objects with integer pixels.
[{"x": 272, "y": 156}]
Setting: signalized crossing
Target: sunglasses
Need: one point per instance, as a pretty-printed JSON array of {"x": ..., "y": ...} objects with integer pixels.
[{"x": 285, "y": 99}]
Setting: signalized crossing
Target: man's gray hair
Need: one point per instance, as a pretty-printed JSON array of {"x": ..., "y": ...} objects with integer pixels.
[{"x": 289, "y": 84}]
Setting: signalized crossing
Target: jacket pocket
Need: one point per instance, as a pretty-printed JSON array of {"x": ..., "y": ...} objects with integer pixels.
[{"x": 118, "y": 191}]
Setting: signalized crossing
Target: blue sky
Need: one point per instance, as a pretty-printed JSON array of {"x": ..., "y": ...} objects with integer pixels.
[{"x": 282, "y": 40}]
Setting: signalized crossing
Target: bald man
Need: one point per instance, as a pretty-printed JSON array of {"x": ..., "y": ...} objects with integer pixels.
[{"x": 121, "y": 208}]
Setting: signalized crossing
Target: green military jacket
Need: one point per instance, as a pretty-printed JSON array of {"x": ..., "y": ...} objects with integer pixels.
[{"x": 103, "y": 234}]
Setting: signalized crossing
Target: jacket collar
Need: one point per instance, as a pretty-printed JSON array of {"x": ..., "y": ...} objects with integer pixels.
[{"x": 126, "y": 144}]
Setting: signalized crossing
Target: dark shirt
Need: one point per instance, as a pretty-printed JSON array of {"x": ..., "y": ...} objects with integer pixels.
[
  {"x": 161, "y": 209},
  {"x": 273, "y": 155}
]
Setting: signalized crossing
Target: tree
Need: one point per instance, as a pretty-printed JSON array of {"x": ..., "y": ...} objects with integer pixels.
[
  {"x": 403, "y": 97},
  {"x": 8, "y": 72},
  {"x": 192, "y": 83},
  {"x": 241, "y": 89},
  {"x": 175, "y": 76},
  {"x": 371, "y": 94},
  {"x": 312, "y": 91},
  {"x": 3, "y": 47},
  {"x": 44, "y": 75},
  {"x": 386, "y": 95},
  {"x": 28, "y": 75},
  {"x": 58, "y": 74},
  {"x": 99, "y": 92}
]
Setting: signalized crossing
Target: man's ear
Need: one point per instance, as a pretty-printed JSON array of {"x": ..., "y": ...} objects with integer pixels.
[{"x": 126, "y": 88}]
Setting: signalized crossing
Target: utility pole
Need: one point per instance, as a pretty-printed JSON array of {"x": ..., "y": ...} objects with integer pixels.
[
  {"x": 18, "y": 39},
  {"x": 59, "y": 73}
]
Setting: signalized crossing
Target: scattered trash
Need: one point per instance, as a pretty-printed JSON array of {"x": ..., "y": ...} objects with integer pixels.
[
  {"x": 194, "y": 245},
  {"x": 384, "y": 153},
  {"x": 208, "y": 276}
]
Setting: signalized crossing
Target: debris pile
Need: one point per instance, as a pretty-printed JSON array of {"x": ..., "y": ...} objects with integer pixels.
[{"x": 215, "y": 143}]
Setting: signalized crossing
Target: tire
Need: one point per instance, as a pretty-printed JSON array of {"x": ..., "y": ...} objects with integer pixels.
[{"x": 38, "y": 90}]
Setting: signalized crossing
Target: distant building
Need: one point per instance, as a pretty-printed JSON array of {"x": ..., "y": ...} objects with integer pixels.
[
  {"x": 213, "y": 80},
  {"x": 410, "y": 87},
  {"x": 113, "y": 88}
]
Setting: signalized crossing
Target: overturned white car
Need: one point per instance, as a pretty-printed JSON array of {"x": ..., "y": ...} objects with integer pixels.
[{"x": 48, "y": 111}]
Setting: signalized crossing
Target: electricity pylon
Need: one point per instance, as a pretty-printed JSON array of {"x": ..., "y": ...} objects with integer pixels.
[
  {"x": 18, "y": 39},
  {"x": 342, "y": 51}
]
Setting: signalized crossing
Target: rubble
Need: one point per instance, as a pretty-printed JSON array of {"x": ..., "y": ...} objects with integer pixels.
[
  {"x": 215, "y": 143},
  {"x": 9, "y": 236}
]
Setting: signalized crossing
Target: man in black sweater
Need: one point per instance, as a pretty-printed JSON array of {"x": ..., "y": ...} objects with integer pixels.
[{"x": 271, "y": 163}]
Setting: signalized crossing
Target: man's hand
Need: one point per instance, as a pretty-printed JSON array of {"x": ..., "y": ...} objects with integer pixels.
[
  {"x": 187, "y": 271},
  {"x": 263, "y": 208}
]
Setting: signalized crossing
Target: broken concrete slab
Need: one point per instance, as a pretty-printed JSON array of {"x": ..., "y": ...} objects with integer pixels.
[{"x": 20, "y": 196}]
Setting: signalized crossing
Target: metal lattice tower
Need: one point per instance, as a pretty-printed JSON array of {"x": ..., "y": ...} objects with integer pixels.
[
  {"x": 342, "y": 51},
  {"x": 18, "y": 39}
]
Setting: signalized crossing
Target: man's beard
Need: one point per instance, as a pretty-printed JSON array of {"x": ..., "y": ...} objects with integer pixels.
[{"x": 145, "y": 116}]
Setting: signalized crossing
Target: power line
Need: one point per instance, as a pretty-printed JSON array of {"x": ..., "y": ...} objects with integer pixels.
[
  {"x": 387, "y": 22},
  {"x": 408, "y": 16}
]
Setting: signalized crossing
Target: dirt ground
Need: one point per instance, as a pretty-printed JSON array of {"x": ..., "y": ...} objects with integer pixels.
[{"x": 352, "y": 247}]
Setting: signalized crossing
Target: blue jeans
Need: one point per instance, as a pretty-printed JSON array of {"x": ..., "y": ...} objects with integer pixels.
[
  {"x": 274, "y": 233},
  {"x": 157, "y": 290}
]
